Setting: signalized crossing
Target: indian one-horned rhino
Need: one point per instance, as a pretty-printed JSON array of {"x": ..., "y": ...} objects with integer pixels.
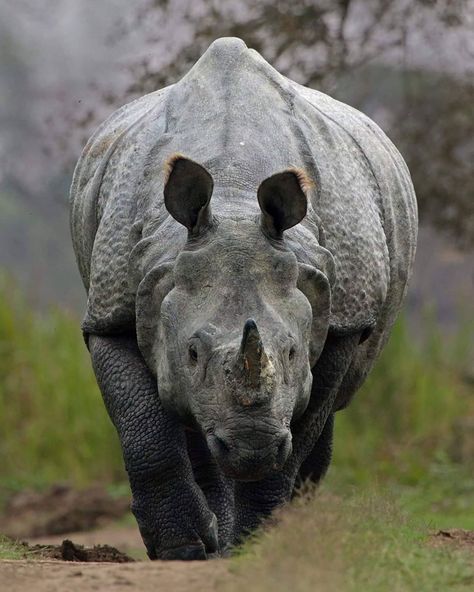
[{"x": 245, "y": 243}]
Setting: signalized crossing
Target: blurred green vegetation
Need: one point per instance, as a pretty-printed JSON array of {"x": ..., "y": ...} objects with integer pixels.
[
  {"x": 11, "y": 549},
  {"x": 53, "y": 423},
  {"x": 410, "y": 428}
]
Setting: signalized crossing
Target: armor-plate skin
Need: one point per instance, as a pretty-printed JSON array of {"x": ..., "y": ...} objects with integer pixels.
[{"x": 243, "y": 122}]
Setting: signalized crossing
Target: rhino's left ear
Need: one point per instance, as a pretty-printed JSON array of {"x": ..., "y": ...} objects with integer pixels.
[
  {"x": 282, "y": 199},
  {"x": 188, "y": 191}
]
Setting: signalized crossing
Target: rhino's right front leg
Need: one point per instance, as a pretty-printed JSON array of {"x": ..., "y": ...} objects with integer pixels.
[{"x": 172, "y": 514}]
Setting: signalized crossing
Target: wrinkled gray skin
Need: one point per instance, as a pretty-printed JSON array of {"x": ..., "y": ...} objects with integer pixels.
[{"x": 237, "y": 295}]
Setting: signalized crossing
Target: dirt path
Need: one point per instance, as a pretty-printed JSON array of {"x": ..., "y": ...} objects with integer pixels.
[
  {"x": 35, "y": 575},
  {"x": 141, "y": 576},
  {"x": 30, "y": 516},
  {"x": 57, "y": 576}
]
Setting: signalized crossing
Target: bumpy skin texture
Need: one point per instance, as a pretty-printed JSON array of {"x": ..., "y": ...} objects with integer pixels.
[
  {"x": 167, "y": 503},
  {"x": 236, "y": 304}
]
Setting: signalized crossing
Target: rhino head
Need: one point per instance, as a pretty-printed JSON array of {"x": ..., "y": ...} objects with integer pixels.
[{"x": 233, "y": 327}]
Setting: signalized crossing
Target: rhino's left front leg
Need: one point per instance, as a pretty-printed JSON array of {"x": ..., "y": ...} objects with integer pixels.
[
  {"x": 256, "y": 500},
  {"x": 171, "y": 510}
]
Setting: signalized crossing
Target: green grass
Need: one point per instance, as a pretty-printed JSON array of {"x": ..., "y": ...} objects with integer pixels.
[
  {"x": 407, "y": 408},
  {"x": 351, "y": 542},
  {"x": 409, "y": 427},
  {"x": 11, "y": 549},
  {"x": 53, "y": 423}
]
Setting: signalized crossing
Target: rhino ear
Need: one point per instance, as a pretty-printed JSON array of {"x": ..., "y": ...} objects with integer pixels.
[
  {"x": 187, "y": 192},
  {"x": 282, "y": 199}
]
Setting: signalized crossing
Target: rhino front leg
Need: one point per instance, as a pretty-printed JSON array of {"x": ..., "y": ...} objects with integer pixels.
[
  {"x": 218, "y": 489},
  {"x": 256, "y": 500},
  {"x": 172, "y": 514}
]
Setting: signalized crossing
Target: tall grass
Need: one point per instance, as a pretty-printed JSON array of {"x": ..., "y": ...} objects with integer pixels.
[
  {"x": 406, "y": 414},
  {"x": 411, "y": 427},
  {"x": 53, "y": 424}
]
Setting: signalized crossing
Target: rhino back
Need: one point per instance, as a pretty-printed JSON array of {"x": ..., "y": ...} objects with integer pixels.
[{"x": 244, "y": 121}]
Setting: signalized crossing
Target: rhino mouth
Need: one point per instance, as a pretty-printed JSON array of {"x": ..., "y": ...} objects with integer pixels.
[{"x": 241, "y": 461}]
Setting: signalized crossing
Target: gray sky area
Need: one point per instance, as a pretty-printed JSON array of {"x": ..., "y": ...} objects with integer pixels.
[{"x": 54, "y": 54}]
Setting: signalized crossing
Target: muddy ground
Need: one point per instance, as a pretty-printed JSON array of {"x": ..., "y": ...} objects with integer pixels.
[{"x": 104, "y": 551}]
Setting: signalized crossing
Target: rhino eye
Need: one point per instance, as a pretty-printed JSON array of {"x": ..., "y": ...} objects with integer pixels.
[
  {"x": 193, "y": 355},
  {"x": 292, "y": 352}
]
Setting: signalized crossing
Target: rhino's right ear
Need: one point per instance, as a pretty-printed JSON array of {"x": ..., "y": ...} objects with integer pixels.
[{"x": 188, "y": 190}]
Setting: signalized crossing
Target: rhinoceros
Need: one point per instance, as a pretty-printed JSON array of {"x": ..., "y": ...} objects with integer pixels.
[{"x": 245, "y": 243}]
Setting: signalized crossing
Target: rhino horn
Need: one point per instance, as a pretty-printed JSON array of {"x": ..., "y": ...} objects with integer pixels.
[{"x": 252, "y": 353}]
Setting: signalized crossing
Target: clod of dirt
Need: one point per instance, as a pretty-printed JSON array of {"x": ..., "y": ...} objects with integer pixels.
[
  {"x": 68, "y": 551},
  {"x": 59, "y": 510},
  {"x": 458, "y": 537}
]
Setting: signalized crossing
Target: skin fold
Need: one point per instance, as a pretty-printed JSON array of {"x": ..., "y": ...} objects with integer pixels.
[{"x": 244, "y": 266}]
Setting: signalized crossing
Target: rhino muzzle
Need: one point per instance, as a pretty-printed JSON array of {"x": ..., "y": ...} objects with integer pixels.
[{"x": 242, "y": 462}]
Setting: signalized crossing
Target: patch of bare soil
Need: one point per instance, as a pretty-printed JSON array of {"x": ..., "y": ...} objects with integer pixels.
[
  {"x": 124, "y": 537},
  {"x": 59, "y": 510},
  {"x": 68, "y": 551},
  {"x": 459, "y": 538}
]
